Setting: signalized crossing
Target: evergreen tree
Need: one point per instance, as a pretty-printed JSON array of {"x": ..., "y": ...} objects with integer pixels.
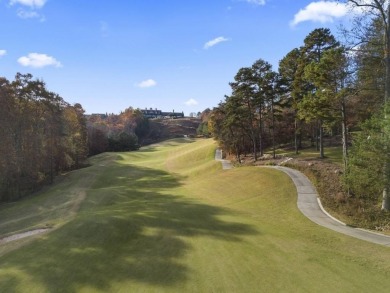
[
  {"x": 292, "y": 82},
  {"x": 315, "y": 45}
]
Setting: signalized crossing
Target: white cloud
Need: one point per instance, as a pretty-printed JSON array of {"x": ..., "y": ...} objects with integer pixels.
[
  {"x": 30, "y": 3},
  {"x": 256, "y": 2},
  {"x": 147, "y": 83},
  {"x": 37, "y": 60},
  {"x": 214, "y": 42},
  {"x": 321, "y": 11},
  {"x": 3, "y": 52},
  {"x": 27, "y": 14},
  {"x": 30, "y": 14},
  {"x": 191, "y": 102}
]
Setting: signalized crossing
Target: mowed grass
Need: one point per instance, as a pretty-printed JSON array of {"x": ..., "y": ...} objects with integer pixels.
[
  {"x": 169, "y": 219},
  {"x": 333, "y": 154}
]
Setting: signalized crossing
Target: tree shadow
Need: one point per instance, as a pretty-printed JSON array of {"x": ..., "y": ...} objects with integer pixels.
[
  {"x": 132, "y": 229},
  {"x": 148, "y": 149},
  {"x": 170, "y": 142},
  {"x": 181, "y": 140}
]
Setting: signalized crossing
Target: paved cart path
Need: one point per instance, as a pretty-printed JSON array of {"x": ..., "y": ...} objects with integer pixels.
[
  {"x": 226, "y": 164},
  {"x": 310, "y": 205}
]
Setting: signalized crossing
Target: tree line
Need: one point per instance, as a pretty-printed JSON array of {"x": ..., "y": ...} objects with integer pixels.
[
  {"x": 117, "y": 132},
  {"x": 41, "y": 135},
  {"x": 322, "y": 89},
  {"x": 304, "y": 98}
]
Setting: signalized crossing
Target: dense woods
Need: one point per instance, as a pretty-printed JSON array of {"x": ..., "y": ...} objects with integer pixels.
[{"x": 41, "y": 135}]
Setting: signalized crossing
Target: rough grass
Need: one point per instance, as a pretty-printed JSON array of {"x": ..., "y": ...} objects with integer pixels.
[
  {"x": 333, "y": 154},
  {"x": 168, "y": 219}
]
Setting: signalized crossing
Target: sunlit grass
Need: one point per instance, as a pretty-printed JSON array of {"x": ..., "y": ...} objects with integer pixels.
[{"x": 169, "y": 219}]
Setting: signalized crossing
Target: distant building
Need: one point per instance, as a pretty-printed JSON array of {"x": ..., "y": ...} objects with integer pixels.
[
  {"x": 150, "y": 113},
  {"x": 155, "y": 113}
]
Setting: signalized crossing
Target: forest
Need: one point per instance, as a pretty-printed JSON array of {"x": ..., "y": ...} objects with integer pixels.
[{"x": 43, "y": 136}]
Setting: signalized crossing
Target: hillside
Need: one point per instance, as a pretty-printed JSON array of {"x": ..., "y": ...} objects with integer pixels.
[{"x": 163, "y": 129}]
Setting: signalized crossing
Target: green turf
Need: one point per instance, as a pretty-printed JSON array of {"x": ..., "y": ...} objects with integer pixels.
[
  {"x": 169, "y": 219},
  {"x": 333, "y": 154}
]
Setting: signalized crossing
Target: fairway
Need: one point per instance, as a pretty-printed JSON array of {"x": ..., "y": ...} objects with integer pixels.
[{"x": 167, "y": 218}]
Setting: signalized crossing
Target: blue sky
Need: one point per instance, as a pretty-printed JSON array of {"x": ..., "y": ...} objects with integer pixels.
[{"x": 166, "y": 54}]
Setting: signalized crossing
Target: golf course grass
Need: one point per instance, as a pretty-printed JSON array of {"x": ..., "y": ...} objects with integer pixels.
[{"x": 167, "y": 218}]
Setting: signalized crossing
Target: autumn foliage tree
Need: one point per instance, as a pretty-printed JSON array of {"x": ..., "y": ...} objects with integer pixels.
[
  {"x": 41, "y": 135},
  {"x": 111, "y": 132}
]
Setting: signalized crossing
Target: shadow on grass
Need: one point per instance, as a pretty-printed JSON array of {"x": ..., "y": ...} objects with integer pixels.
[
  {"x": 133, "y": 227},
  {"x": 148, "y": 149},
  {"x": 175, "y": 141}
]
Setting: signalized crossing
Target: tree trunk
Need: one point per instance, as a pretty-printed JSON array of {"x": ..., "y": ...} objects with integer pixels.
[
  {"x": 321, "y": 140},
  {"x": 273, "y": 130},
  {"x": 238, "y": 155},
  {"x": 254, "y": 146},
  {"x": 386, "y": 196},
  {"x": 300, "y": 134},
  {"x": 344, "y": 135},
  {"x": 261, "y": 136},
  {"x": 296, "y": 142}
]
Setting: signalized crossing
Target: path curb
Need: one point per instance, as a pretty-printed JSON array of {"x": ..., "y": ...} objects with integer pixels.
[
  {"x": 310, "y": 205},
  {"x": 329, "y": 215}
]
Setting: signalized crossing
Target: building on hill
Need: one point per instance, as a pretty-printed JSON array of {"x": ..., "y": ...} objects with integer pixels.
[
  {"x": 155, "y": 113},
  {"x": 152, "y": 113}
]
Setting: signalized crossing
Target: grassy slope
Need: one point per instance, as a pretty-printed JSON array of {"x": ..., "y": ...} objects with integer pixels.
[{"x": 168, "y": 218}]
